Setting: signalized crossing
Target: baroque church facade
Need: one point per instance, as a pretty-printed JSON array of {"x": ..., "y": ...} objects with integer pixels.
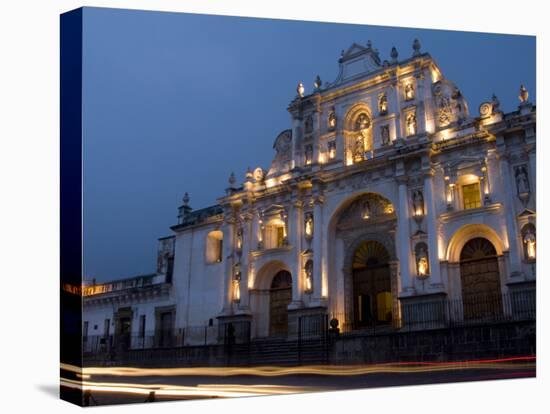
[{"x": 385, "y": 193}]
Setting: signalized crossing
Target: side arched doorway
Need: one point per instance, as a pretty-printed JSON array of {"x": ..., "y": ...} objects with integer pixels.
[
  {"x": 480, "y": 279},
  {"x": 372, "y": 298},
  {"x": 280, "y": 296}
]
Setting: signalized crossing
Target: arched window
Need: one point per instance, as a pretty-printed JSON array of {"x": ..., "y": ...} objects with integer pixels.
[{"x": 214, "y": 246}]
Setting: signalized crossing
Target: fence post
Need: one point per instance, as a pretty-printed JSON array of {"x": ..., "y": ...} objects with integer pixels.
[{"x": 299, "y": 340}]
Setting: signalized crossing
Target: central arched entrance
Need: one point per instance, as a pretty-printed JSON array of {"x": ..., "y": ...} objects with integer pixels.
[
  {"x": 480, "y": 279},
  {"x": 280, "y": 296},
  {"x": 372, "y": 298}
]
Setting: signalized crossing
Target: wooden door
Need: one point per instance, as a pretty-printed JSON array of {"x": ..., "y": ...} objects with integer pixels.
[
  {"x": 280, "y": 296},
  {"x": 480, "y": 278}
]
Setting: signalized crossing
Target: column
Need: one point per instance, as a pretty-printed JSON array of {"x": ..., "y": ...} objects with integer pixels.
[
  {"x": 509, "y": 193},
  {"x": 431, "y": 221},
  {"x": 295, "y": 238},
  {"x": 317, "y": 251},
  {"x": 254, "y": 236},
  {"x": 228, "y": 236},
  {"x": 245, "y": 255},
  {"x": 403, "y": 237}
]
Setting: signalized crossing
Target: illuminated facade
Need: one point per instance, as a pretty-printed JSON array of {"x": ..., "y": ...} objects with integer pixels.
[{"x": 385, "y": 192}]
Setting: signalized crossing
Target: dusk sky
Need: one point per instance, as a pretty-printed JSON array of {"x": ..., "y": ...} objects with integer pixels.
[{"x": 175, "y": 102}]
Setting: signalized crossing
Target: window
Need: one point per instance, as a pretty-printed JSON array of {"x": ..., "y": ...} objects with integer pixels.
[
  {"x": 214, "y": 246},
  {"x": 274, "y": 234},
  {"x": 471, "y": 196}
]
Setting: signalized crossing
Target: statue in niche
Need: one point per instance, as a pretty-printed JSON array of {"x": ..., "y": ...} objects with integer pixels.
[
  {"x": 383, "y": 104},
  {"x": 422, "y": 264},
  {"x": 308, "y": 270},
  {"x": 332, "y": 120},
  {"x": 418, "y": 203},
  {"x": 239, "y": 239},
  {"x": 309, "y": 154},
  {"x": 359, "y": 149},
  {"x": 411, "y": 124},
  {"x": 309, "y": 225},
  {"x": 309, "y": 124},
  {"x": 362, "y": 123},
  {"x": 409, "y": 91},
  {"x": 522, "y": 180},
  {"x": 385, "y": 134},
  {"x": 530, "y": 244}
]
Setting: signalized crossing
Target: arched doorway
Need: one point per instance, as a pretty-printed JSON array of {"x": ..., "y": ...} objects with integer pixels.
[
  {"x": 280, "y": 296},
  {"x": 480, "y": 279},
  {"x": 372, "y": 298}
]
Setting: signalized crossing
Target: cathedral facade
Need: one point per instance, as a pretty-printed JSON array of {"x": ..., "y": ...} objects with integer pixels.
[{"x": 385, "y": 194}]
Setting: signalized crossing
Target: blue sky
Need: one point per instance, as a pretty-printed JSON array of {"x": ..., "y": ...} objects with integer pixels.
[{"x": 174, "y": 102}]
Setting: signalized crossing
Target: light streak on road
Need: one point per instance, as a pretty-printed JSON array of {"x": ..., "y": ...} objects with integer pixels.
[
  {"x": 200, "y": 391},
  {"x": 325, "y": 370}
]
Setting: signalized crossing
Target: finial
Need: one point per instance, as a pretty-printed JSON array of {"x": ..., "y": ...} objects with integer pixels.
[
  {"x": 369, "y": 44},
  {"x": 232, "y": 180},
  {"x": 248, "y": 173},
  {"x": 523, "y": 94},
  {"x": 186, "y": 199},
  {"x": 300, "y": 89},
  {"x": 394, "y": 55},
  {"x": 317, "y": 84},
  {"x": 416, "y": 47},
  {"x": 342, "y": 53}
]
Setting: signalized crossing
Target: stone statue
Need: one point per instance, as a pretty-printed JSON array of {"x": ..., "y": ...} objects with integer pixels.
[
  {"x": 359, "y": 149},
  {"x": 309, "y": 225},
  {"x": 318, "y": 83},
  {"x": 422, "y": 263},
  {"x": 530, "y": 244},
  {"x": 362, "y": 122},
  {"x": 394, "y": 55},
  {"x": 300, "y": 89},
  {"x": 409, "y": 91},
  {"x": 418, "y": 203},
  {"x": 522, "y": 180},
  {"x": 383, "y": 104},
  {"x": 239, "y": 241},
  {"x": 308, "y": 270},
  {"x": 523, "y": 94},
  {"x": 416, "y": 47},
  {"x": 309, "y": 154},
  {"x": 332, "y": 120},
  {"x": 411, "y": 124}
]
